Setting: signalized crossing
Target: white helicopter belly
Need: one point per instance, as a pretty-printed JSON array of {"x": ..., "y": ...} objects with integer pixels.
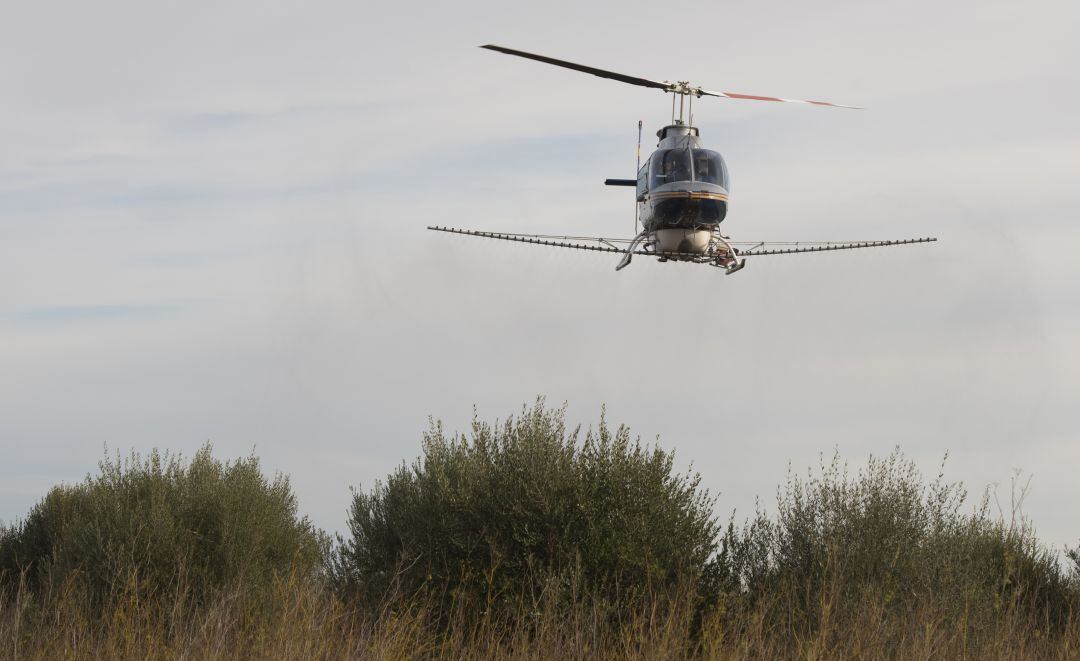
[{"x": 681, "y": 240}]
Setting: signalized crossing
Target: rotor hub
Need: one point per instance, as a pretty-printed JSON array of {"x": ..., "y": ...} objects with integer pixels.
[{"x": 682, "y": 87}]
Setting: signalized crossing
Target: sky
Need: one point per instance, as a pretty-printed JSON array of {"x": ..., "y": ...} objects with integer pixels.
[{"x": 212, "y": 228}]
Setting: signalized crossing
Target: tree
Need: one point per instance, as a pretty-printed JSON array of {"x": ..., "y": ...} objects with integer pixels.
[
  {"x": 494, "y": 517},
  {"x": 888, "y": 539},
  {"x": 161, "y": 526}
]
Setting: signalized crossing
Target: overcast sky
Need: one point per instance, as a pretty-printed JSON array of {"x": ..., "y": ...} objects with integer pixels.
[{"x": 212, "y": 229}]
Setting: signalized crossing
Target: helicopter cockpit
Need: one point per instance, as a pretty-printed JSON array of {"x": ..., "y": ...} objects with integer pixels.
[{"x": 682, "y": 164}]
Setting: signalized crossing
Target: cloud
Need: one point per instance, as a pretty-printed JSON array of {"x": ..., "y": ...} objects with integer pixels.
[{"x": 77, "y": 314}]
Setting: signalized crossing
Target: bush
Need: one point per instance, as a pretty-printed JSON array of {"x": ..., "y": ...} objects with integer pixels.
[
  {"x": 887, "y": 539},
  {"x": 156, "y": 526},
  {"x": 493, "y": 519}
]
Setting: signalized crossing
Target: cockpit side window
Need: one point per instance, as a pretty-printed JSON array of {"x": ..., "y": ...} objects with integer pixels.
[
  {"x": 709, "y": 168},
  {"x": 670, "y": 165}
]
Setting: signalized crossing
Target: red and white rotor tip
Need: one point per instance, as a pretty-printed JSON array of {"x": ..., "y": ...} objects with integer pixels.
[{"x": 755, "y": 97}]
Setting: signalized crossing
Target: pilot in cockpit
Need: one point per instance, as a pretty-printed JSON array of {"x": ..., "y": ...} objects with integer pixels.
[
  {"x": 675, "y": 166},
  {"x": 702, "y": 170}
]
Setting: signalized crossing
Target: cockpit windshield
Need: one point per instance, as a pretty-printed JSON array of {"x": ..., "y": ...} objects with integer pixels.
[
  {"x": 709, "y": 168},
  {"x": 671, "y": 165}
]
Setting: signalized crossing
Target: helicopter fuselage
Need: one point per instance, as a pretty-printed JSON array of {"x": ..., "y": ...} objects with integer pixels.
[{"x": 682, "y": 192}]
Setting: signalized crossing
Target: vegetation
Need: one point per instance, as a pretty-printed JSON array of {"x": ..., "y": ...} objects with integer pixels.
[
  {"x": 886, "y": 546},
  {"x": 493, "y": 520},
  {"x": 525, "y": 539},
  {"x": 148, "y": 528}
]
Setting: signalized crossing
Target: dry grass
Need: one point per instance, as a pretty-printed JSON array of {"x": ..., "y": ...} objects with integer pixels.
[{"x": 304, "y": 620}]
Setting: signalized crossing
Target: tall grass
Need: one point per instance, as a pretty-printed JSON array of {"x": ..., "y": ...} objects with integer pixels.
[{"x": 304, "y": 620}]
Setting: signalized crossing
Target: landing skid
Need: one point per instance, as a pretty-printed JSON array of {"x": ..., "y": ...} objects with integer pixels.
[
  {"x": 725, "y": 258},
  {"x": 719, "y": 253},
  {"x": 625, "y": 261}
]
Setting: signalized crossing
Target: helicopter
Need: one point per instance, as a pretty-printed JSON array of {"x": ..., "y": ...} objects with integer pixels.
[{"x": 682, "y": 191}]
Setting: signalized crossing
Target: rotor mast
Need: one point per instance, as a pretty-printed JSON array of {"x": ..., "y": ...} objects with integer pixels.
[{"x": 682, "y": 89}]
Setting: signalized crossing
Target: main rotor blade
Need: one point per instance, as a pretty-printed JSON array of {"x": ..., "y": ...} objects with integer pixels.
[
  {"x": 633, "y": 80},
  {"x": 678, "y": 88},
  {"x": 754, "y": 97}
]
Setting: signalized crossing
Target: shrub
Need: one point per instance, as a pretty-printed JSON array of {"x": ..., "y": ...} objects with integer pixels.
[
  {"x": 491, "y": 519},
  {"x": 153, "y": 526},
  {"x": 885, "y": 537}
]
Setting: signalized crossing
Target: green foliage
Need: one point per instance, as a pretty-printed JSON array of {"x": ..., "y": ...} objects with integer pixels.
[
  {"x": 491, "y": 519},
  {"x": 528, "y": 539},
  {"x": 887, "y": 537},
  {"x": 147, "y": 526}
]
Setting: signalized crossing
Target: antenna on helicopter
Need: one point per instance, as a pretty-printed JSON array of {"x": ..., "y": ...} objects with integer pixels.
[
  {"x": 681, "y": 88},
  {"x": 637, "y": 173}
]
